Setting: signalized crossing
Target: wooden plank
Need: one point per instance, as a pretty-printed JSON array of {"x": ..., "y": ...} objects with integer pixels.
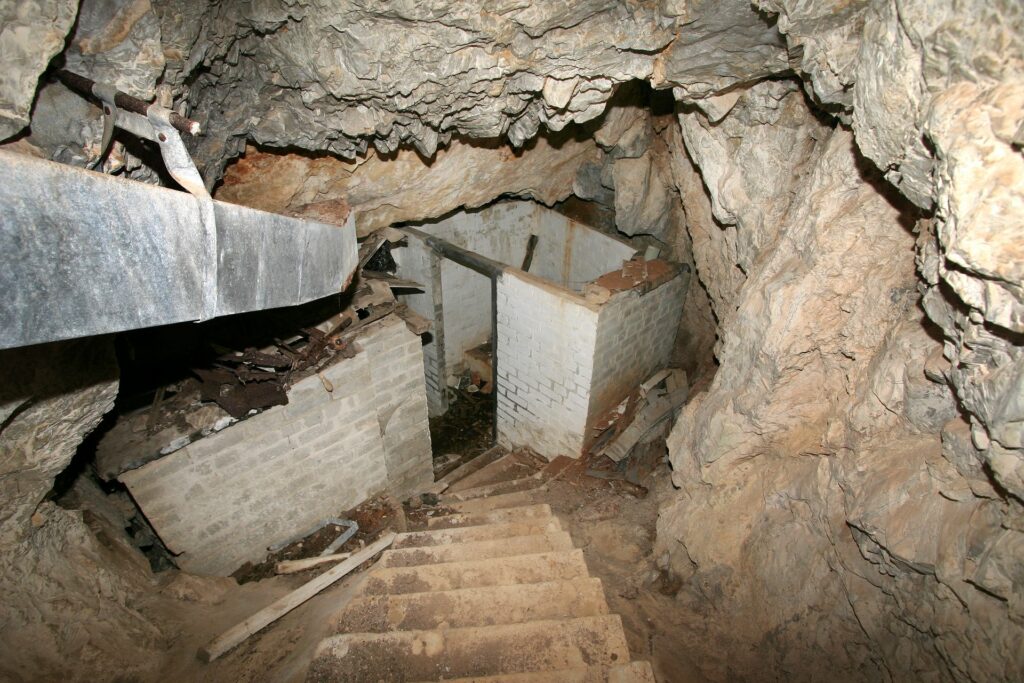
[
  {"x": 292, "y": 566},
  {"x": 646, "y": 387},
  {"x": 657, "y": 410},
  {"x": 467, "y": 468},
  {"x": 278, "y": 609}
]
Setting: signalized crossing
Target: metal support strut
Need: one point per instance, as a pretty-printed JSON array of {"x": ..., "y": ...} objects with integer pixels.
[{"x": 160, "y": 125}]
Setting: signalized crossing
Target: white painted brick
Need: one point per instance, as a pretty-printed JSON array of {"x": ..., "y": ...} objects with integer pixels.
[{"x": 221, "y": 500}]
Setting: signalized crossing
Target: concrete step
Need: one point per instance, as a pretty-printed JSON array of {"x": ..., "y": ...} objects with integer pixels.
[
  {"x": 506, "y": 467},
  {"x": 486, "y": 532},
  {"x": 497, "y": 489},
  {"x": 507, "y": 500},
  {"x": 487, "y": 606},
  {"x": 467, "y": 468},
  {"x": 563, "y": 565},
  {"x": 630, "y": 672},
  {"x": 477, "y": 550},
  {"x": 477, "y": 651},
  {"x": 520, "y": 514}
]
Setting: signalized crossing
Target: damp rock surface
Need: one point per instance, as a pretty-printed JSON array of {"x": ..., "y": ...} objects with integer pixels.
[{"x": 844, "y": 177}]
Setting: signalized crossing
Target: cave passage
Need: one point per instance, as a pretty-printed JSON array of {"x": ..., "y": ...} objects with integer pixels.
[{"x": 449, "y": 341}]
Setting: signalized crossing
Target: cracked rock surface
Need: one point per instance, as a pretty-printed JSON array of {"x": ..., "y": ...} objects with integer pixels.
[{"x": 846, "y": 178}]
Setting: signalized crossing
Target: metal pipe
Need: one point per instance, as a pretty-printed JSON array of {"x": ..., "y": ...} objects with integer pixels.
[{"x": 85, "y": 86}]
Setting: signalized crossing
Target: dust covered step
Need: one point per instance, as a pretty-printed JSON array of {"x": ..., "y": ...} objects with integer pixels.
[
  {"x": 487, "y": 532},
  {"x": 563, "y": 565},
  {"x": 486, "y": 606},
  {"x": 477, "y": 550},
  {"x": 478, "y": 651},
  {"x": 497, "y": 489},
  {"x": 507, "y": 500},
  {"x": 505, "y": 468},
  {"x": 518, "y": 514},
  {"x": 630, "y": 672}
]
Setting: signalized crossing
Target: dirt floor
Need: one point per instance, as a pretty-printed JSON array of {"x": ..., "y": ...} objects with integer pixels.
[
  {"x": 464, "y": 432},
  {"x": 614, "y": 524},
  {"x": 373, "y": 517}
]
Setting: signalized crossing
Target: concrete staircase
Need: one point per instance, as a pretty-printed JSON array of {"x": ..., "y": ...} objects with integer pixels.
[{"x": 493, "y": 592}]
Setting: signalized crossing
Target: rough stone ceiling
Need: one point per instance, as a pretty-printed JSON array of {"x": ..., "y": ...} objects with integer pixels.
[
  {"x": 869, "y": 403},
  {"x": 931, "y": 88}
]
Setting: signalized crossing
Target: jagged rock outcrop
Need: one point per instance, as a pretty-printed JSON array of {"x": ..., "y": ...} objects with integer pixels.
[
  {"x": 70, "y": 599},
  {"x": 404, "y": 186},
  {"x": 31, "y": 33},
  {"x": 815, "y": 457},
  {"x": 933, "y": 90},
  {"x": 853, "y": 413},
  {"x": 340, "y": 77},
  {"x": 851, "y": 483}
]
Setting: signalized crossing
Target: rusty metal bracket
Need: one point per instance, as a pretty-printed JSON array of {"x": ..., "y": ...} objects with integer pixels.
[
  {"x": 161, "y": 125},
  {"x": 107, "y": 95}
]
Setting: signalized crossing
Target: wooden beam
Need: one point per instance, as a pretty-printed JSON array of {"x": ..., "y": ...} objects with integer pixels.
[
  {"x": 292, "y": 566},
  {"x": 278, "y": 609},
  {"x": 531, "y": 246}
]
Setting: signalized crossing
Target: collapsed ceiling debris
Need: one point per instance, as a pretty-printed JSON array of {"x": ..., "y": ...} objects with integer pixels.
[{"x": 844, "y": 178}]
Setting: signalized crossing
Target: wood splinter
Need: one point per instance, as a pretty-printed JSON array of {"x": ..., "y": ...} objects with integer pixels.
[{"x": 283, "y": 606}]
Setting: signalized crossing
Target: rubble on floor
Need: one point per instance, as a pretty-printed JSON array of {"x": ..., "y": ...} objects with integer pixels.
[
  {"x": 374, "y": 517},
  {"x": 620, "y": 429},
  {"x": 465, "y": 431}
]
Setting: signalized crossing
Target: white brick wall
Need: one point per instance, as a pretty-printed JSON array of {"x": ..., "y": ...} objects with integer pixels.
[
  {"x": 420, "y": 264},
  {"x": 567, "y": 253},
  {"x": 466, "y": 300},
  {"x": 561, "y": 361},
  {"x": 635, "y": 334},
  {"x": 222, "y": 500},
  {"x": 571, "y": 254},
  {"x": 546, "y": 340}
]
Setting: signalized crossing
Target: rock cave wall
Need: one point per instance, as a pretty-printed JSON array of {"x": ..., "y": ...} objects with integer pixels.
[{"x": 845, "y": 177}]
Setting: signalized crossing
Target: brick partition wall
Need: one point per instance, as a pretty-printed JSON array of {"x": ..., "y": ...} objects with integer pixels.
[
  {"x": 571, "y": 254},
  {"x": 458, "y": 300},
  {"x": 222, "y": 500},
  {"x": 546, "y": 341},
  {"x": 466, "y": 302},
  {"x": 562, "y": 359},
  {"x": 418, "y": 263},
  {"x": 635, "y": 334}
]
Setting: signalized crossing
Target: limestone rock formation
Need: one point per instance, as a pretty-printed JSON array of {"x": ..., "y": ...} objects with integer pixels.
[
  {"x": 387, "y": 189},
  {"x": 845, "y": 176},
  {"x": 69, "y": 597},
  {"x": 31, "y": 33},
  {"x": 835, "y": 424}
]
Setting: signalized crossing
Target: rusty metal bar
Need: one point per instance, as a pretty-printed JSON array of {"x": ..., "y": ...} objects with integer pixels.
[{"x": 85, "y": 86}]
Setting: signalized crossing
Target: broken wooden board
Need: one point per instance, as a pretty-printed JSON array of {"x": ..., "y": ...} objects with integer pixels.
[
  {"x": 293, "y": 566},
  {"x": 279, "y": 608},
  {"x": 655, "y": 406},
  {"x": 467, "y": 468},
  {"x": 416, "y": 323},
  {"x": 392, "y": 281}
]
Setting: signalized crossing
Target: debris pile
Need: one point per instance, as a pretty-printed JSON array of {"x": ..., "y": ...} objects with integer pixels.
[{"x": 617, "y": 432}]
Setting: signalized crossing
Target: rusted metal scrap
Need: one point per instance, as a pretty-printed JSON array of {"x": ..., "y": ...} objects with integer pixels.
[
  {"x": 238, "y": 396},
  {"x": 256, "y": 379}
]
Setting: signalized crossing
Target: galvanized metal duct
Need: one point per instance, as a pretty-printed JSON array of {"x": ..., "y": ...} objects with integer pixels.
[{"x": 86, "y": 254}]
